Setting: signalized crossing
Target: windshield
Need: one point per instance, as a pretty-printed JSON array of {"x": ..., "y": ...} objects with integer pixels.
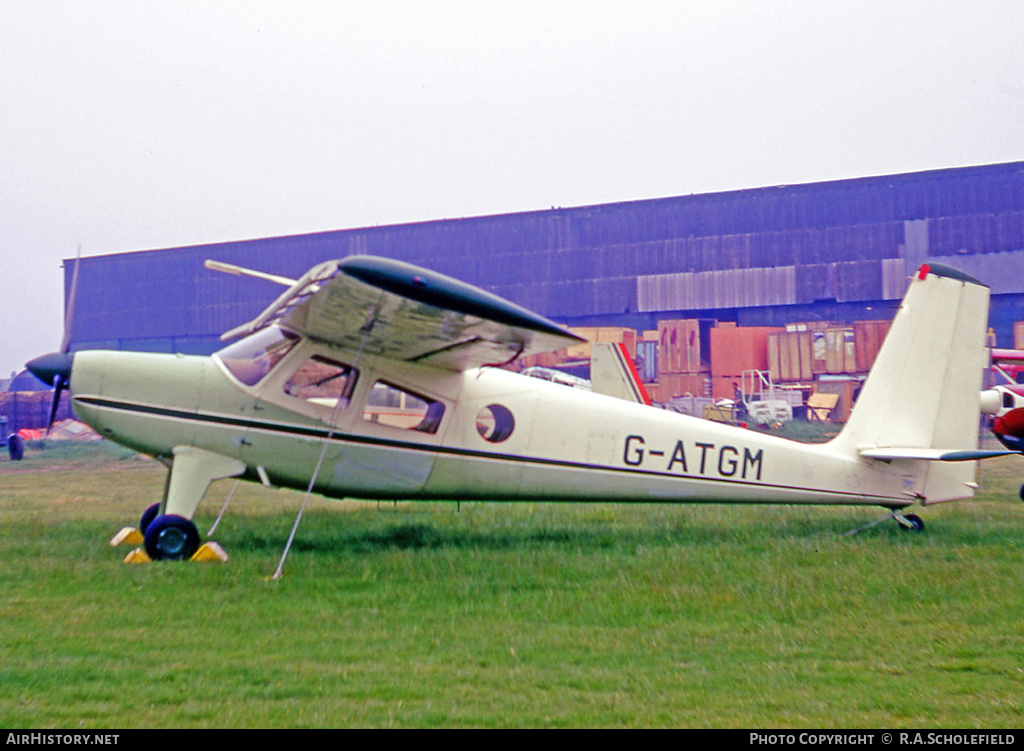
[{"x": 250, "y": 359}]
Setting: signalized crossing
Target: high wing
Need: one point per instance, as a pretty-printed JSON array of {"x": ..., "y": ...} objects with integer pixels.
[{"x": 396, "y": 310}]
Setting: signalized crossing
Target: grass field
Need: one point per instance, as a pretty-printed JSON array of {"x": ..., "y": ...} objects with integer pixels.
[{"x": 504, "y": 615}]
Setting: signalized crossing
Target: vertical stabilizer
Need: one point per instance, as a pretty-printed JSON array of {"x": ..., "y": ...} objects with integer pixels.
[
  {"x": 924, "y": 389},
  {"x": 613, "y": 372}
]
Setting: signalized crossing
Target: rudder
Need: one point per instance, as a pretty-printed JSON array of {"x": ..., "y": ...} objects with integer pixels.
[{"x": 923, "y": 391}]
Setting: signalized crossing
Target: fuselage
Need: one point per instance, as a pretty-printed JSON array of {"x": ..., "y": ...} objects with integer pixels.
[{"x": 400, "y": 430}]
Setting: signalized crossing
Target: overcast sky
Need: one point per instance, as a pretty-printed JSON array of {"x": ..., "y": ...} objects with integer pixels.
[{"x": 136, "y": 125}]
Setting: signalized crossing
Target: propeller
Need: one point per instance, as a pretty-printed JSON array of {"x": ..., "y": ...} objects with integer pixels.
[{"x": 55, "y": 368}]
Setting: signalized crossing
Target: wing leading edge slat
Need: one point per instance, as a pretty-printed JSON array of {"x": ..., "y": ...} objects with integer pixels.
[{"x": 400, "y": 311}]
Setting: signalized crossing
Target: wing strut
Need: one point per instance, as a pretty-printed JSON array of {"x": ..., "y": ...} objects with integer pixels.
[
  {"x": 223, "y": 509},
  {"x": 367, "y": 328}
]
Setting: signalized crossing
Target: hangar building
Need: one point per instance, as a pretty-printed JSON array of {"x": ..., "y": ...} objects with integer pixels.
[{"x": 836, "y": 251}]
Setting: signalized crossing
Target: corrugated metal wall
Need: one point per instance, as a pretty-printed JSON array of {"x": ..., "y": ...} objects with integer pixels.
[{"x": 847, "y": 242}]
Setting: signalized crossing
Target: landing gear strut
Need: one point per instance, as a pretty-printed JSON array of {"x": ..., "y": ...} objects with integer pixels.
[{"x": 171, "y": 536}]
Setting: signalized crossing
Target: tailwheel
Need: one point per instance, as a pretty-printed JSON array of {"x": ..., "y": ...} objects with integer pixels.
[
  {"x": 171, "y": 538},
  {"x": 912, "y": 523}
]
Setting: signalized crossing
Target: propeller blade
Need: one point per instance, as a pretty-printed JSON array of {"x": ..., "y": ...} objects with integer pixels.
[
  {"x": 58, "y": 388},
  {"x": 55, "y": 368},
  {"x": 69, "y": 314}
]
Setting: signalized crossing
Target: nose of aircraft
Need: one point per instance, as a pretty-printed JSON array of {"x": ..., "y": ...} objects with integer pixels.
[{"x": 48, "y": 368}]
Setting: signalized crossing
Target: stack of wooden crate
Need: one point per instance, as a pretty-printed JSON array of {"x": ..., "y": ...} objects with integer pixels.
[
  {"x": 807, "y": 350},
  {"x": 826, "y": 357},
  {"x": 705, "y": 358}
]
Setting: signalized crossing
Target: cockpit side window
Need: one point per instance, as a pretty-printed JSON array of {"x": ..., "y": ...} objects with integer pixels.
[
  {"x": 323, "y": 382},
  {"x": 397, "y": 408},
  {"x": 251, "y": 359}
]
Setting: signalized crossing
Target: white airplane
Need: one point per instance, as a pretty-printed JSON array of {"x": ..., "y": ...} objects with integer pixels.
[{"x": 372, "y": 378}]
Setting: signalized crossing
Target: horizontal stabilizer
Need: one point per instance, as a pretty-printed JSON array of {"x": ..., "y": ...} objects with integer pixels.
[{"x": 932, "y": 455}]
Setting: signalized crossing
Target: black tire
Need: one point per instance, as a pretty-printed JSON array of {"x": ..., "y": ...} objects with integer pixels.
[
  {"x": 916, "y": 523},
  {"x": 1021, "y": 494},
  {"x": 148, "y": 516},
  {"x": 171, "y": 538},
  {"x": 16, "y": 447}
]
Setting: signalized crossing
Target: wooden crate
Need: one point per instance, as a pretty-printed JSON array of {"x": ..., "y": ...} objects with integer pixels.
[
  {"x": 789, "y": 356},
  {"x": 735, "y": 350},
  {"x": 840, "y": 355},
  {"x": 682, "y": 384},
  {"x": 868, "y": 337}
]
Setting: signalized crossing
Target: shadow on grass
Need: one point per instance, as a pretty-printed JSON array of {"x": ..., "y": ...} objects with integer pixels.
[
  {"x": 416, "y": 536},
  {"x": 334, "y": 538}
]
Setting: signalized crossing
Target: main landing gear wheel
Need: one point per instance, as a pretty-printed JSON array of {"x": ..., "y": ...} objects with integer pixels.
[
  {"x": 148, "y": 516},
  {"x": 915, "y": 523},
  {"x": 171, "y": 538},
  {"x": 1021, "y": 494}
]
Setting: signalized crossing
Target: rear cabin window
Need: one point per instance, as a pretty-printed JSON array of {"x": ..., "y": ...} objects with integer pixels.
[
  {"x": 323, "y": 382},
  {"x": 397, "y": 408},
  {"x": 251, "y": 359}
]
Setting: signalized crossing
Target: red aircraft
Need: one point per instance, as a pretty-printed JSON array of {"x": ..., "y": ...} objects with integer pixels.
[{"x": 1005, "y": 402}]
